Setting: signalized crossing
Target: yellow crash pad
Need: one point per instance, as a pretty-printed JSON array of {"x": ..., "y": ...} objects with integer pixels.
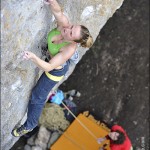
[{"x": 76, "y": 137}]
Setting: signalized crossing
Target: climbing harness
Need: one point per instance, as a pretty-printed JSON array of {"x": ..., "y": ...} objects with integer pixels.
[{"x": 54, "y": 78}]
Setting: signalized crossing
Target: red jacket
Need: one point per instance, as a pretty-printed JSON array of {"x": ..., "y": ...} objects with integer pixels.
[{"x": 127, "y": 143}]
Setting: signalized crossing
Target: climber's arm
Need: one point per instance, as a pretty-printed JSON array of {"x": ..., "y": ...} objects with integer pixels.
[
  {"x": 39, "y": 62},
  {"x": 55, "y": 62},
  {"x": 62, "y": 20}
]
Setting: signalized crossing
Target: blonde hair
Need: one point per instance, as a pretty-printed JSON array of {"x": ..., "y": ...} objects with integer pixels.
[{"x": 86, "y": 39}]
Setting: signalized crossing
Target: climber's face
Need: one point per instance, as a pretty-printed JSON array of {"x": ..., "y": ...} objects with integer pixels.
[{"x": 71, "y": 33}]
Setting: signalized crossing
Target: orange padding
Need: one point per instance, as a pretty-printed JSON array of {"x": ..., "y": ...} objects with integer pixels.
[{"x": 77, "y": 138}]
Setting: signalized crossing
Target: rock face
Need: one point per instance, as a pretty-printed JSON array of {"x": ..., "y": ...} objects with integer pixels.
[{"x": 25, "y": 25}]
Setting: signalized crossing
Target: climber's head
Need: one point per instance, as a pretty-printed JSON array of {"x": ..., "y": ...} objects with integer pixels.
[
  {"x": 85, "y": 39},
  {"x": 79, "y": 34},
  {"x": 117, "y": 137}
]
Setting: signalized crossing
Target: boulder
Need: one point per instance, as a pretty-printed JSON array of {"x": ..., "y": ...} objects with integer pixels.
[{"x": 42, "y": 137}]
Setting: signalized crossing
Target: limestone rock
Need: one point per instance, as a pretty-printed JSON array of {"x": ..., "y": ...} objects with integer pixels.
[
  {"x": 25, "y": 25},
  {"x": 54, "y": 137},
  {"x": 36, "y": 148},
  {"x": 42, "y": 137},
  {"x": 31, "y": 140},
  {"x": 27, "y": 147}
]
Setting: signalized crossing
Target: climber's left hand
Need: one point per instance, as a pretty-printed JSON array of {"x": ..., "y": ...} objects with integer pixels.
[{"x": 28, "y": 55}]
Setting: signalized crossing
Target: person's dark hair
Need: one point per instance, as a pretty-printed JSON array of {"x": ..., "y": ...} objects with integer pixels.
[
  {"x": 121, "y": 138},
  {"x": 86, "y": 39}
]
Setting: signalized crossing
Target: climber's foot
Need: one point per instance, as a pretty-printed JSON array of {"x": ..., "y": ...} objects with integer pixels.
[{"x": 17, "y": 132}]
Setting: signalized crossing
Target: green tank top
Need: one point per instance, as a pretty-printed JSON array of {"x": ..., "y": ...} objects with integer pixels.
[{"x": 52, "y": 47}]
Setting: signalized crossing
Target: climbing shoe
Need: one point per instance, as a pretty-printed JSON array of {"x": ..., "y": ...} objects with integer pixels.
[{"x": 17, "y": 132}]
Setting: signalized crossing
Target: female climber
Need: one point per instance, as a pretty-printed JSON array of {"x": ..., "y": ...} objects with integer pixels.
[{"x": 62, "y": 43}]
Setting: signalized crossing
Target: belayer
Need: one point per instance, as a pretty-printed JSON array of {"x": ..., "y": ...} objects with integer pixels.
[
  {"x": 119, "y": 139},
  {"x": 62, "y": 44}
]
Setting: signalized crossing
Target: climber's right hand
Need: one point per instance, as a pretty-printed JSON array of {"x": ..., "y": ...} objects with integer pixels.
[{"x": 47, "y": 2}]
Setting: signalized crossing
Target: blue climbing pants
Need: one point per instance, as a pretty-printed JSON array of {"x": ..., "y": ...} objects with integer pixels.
[{"x": 39, "y": 95}]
